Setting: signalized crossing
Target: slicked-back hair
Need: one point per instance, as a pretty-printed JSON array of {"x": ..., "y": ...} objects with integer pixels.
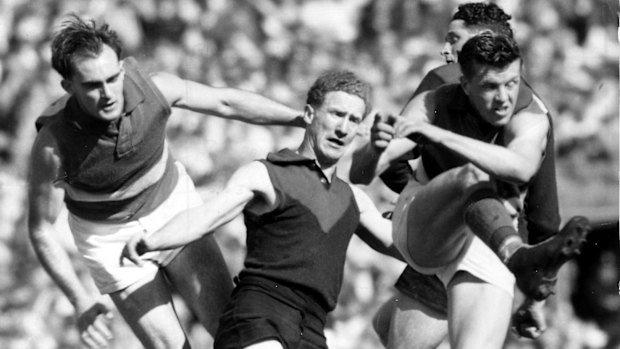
[
  {"x": 488, "y": 49},
  {"x": 481, "y": 16},
  {"x": 339, "y": 80},
  {"x": 80, "y": 38}
]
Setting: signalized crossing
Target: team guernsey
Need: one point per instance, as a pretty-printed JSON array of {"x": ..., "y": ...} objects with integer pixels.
[
  {"x": 302, "y": 243},
  {"x": 114, "y": 171}
]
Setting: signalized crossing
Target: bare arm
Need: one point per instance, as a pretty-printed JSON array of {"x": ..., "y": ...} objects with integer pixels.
[
  {"x": 249, "y": 185},
  {"x": 375, "y": 156},
  {"x": 227, "y": 103},
  {"x": 364, "y": 164},
  {"x": 45, "y": 203},
  {"x": 374, "y": 230},
  {"x": 525, "y": 137},
  {"x": 384, "y": 149}
]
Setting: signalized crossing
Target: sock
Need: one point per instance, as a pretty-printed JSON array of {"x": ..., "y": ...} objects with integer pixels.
[{"x": 487, "y": 217}]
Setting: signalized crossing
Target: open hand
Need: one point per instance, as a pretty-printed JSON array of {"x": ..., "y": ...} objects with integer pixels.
[{"x": 94, "y": 326}]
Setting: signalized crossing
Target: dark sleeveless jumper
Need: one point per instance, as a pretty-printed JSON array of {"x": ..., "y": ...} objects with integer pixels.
[{"x": 303, "y": 242}]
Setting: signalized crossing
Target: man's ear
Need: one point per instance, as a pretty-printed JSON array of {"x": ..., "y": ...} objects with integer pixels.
[
  {"x": 464, "y": 84},
  {"x": 66, "y": 85},
  {"x": 308, "y": 114}
]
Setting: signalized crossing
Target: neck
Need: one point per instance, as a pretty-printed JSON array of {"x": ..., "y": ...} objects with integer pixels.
[{"x": 328, "y": 167}]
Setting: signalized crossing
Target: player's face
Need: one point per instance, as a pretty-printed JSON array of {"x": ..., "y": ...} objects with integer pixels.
[
  {"x": 493, "y": 91},
  {"x": 97, "y": 85},
  {"x": 457, "y": 36},
  {"x": 335, "y": 124}
]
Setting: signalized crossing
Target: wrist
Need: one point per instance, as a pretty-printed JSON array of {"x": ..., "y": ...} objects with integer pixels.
[
  {"x": 374, "y": 150},
  {"x": 82, "y": 304},
  {"x": 144, "y": 245}
]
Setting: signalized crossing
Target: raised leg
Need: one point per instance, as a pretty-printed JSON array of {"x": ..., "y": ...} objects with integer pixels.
[{"x": 436, "y": 231}]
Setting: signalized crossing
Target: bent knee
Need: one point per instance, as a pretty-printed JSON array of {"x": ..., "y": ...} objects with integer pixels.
[
  {"x": 473, "y": 181},
  {"x": 469, "y": 175}
]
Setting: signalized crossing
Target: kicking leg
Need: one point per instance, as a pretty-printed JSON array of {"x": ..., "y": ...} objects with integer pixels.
[
  {"x": 435, "y": 229},
  {"x": 147, "y": 308},
  {"x": 478, "y": 313},
  {"x": 535, "y": 267}
]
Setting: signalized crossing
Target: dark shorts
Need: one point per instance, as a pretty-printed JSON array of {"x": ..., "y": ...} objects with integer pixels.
[
  {"x": 426, "y": 289},
  {"x": 262, "y": 310}
]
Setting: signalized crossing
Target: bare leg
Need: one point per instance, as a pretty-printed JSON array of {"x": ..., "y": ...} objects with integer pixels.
[
  {"x": 200, "y": 275},
  {"x": 403, "y": 323},
  {"x": 147, "y": 308},
  {"x": 478, "y": 313},
  {"x": 438, "y": 208}
]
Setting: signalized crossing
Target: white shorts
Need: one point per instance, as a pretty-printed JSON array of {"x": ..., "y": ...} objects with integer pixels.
[
  {"x": 100, "y": 244},
  {"x": 476, "y": 257}
]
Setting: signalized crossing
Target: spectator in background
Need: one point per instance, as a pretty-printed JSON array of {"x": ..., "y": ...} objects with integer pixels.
[{"x": 103, "y": 145}]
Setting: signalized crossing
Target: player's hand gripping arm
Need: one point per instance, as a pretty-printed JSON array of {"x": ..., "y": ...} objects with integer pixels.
[
  {"x": 229, "y": 103},
  {"x": 45, "y": 202}
]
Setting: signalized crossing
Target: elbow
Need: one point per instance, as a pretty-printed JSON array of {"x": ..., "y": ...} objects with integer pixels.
[
  {"x": 527, "y": 172},
  {"x": 521, "y": 176},
  {"x": 35, "y": 232}
]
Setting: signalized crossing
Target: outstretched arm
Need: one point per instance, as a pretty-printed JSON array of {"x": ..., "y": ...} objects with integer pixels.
[
  {"x": 227, "y": 103},
  {"x": 45, "y": 202},
  {"x": 248, "y": 185}
]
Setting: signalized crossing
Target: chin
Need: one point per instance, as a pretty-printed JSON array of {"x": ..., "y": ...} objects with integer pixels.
[
  {"x": 109, "y": 116},
  {"x": 501, "y": 122},
  {"x": 332, "y": 156}
]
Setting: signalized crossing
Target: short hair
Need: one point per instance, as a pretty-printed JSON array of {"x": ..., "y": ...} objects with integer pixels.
[
  {"x": 339, "y": 80},
  {"x": 80, "y": 38},
  {"x": 489, "y": 49},
  {"x": 481, "y": 15}
]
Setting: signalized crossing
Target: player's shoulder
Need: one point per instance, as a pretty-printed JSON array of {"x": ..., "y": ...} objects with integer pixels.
[
  {"x": 253, "y": 175},
  {"x": 52, "y": 114},
  {"x": 56, "y": 106},
  {"x": 447, "y": 73},
  {"x": 534, "y": 117}
]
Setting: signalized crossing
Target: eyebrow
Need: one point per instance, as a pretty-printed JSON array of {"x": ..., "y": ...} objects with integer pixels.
[{"x": 98, "y": 82}]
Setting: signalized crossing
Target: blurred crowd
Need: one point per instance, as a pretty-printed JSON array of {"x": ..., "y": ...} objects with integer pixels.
[{"x": 277, "y": 48}]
